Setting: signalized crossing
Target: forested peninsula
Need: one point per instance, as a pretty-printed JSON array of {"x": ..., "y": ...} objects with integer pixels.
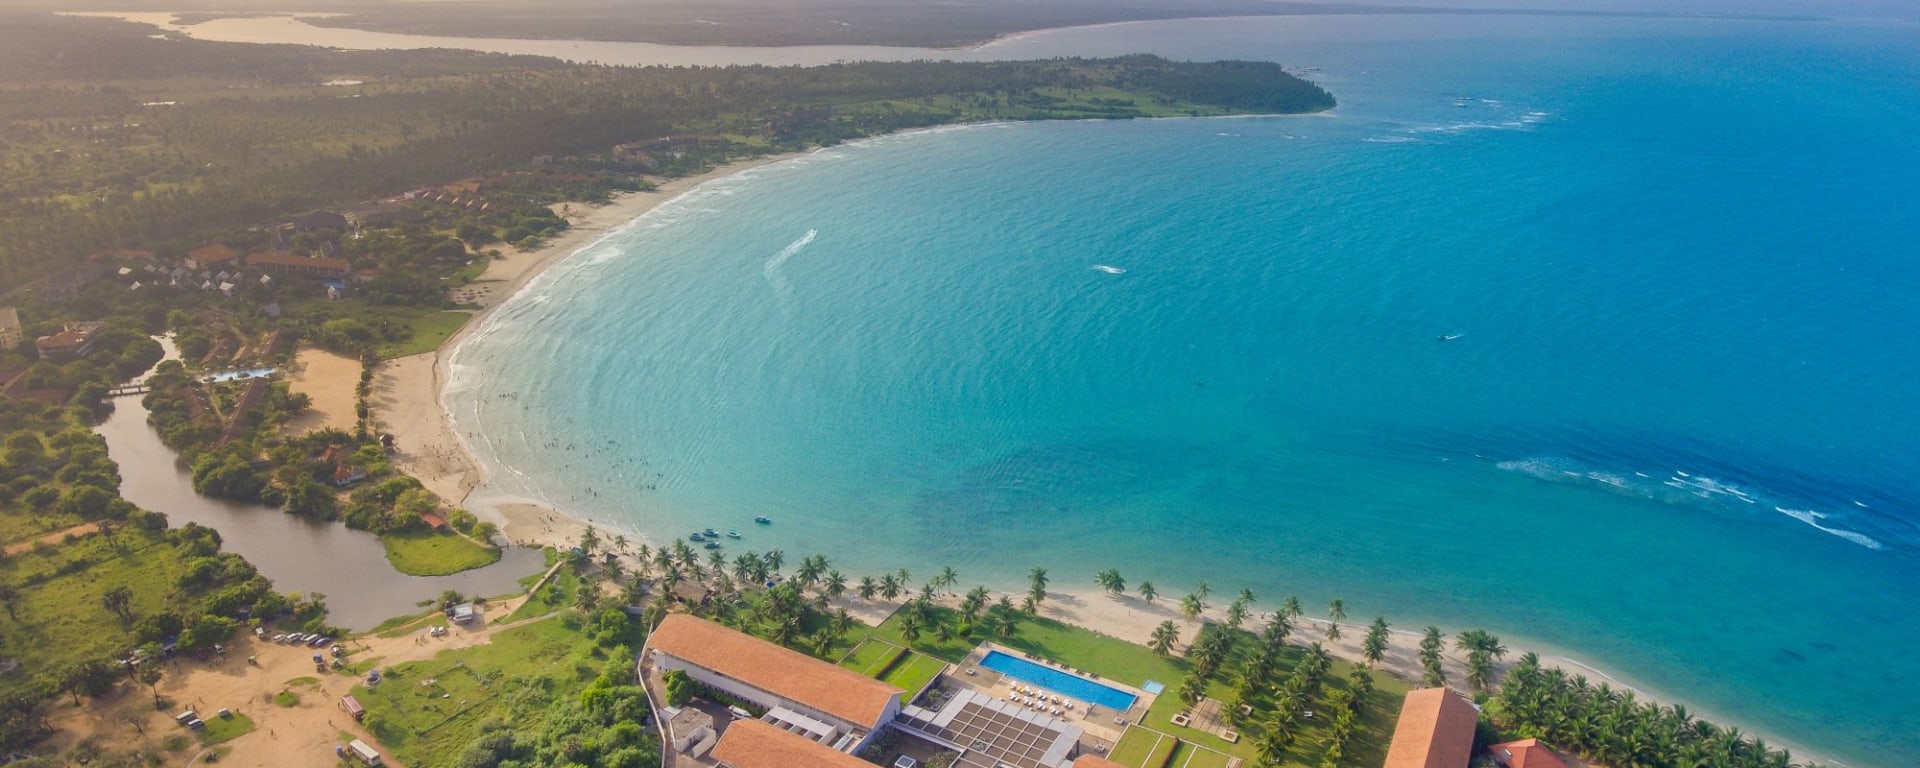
[{"x": 111, "y": 137}]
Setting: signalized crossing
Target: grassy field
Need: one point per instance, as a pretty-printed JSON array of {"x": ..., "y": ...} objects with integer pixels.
[
  {"x": 1198, "y": 757},
  {"x": 426, "y": 553},
  {"x": 221, "y": 729},
  {"x": 59, "y": 617},
  {"x": 913, "y": 671},
  {"x": 427, "y": 712},
  {"x": 872, "y": 657},
  {"x": 558, "y": 593},
  {"x": 1140, "y": 745},
  {"x": 429, "y": 328}
]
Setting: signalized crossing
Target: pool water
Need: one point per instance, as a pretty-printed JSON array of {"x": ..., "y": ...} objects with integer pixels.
[{"x": 1068, "y": 685}]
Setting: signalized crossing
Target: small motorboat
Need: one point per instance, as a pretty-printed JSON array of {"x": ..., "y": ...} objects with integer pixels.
[
  {"x": 1448, "y": 336},
  {"x": 696, "y": 538},
  {"x": 710, "y": 533},
  {"x": 763, "y": 520},
  {"x": 732, "y": 534},
  {"x": 713, "y": 545}
]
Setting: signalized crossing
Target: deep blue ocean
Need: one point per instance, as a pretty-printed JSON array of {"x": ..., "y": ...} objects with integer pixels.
[{"x": 1675, "y": 436}]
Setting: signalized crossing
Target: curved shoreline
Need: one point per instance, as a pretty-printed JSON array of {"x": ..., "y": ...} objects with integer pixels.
[{"x": 540, "y": 522}]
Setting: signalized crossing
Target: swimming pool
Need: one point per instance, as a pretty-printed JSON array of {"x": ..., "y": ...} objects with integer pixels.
[{"x": 1068, "y": 685}]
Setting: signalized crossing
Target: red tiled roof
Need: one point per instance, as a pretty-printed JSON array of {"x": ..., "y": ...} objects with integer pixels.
[
  {"x": 212, "y": 254},
  {"x": 1526, "y": 753},
  {"x": 1435, "y": 731},
  {"x": 290, "y": 260},
  {"x": 1094, "y": 761},
  {"x": 754, "y": 744},
  {"x": 788, "y": 674}
]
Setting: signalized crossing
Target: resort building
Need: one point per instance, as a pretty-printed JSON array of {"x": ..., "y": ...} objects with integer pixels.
[
  {"x": 1525, "y": 753},
  {"x": 992, "y": 733},
  {"x": 1435, "y": 731},
  {"x": 805, "y": 699},
  {"x": 754, "y": 744},
  {"x": 73, "y": 341},
  {"x": 10, "y": 333},
  {"x": 216, "y": 256},
  {"x": 289, "y": 264}
]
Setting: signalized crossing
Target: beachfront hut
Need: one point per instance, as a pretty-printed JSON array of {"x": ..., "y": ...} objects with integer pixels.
[{"x": 1525, "y": 753}]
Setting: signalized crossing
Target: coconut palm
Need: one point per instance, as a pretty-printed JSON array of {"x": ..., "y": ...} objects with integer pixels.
[
  {"x": 973, "y": 604},
  {"x": 890, "y": 586},
  {"x": 1236, "y": 614},
  {"x": 1291, "y": 609},
  {"x": 1110, "y": 580},
  {"x": 1036, "y": 587},
  {"x": 1147, "y": 592},
  {"x": 1164, "y": 636},
  {"x": 1190, "y": 606},
  {"x": 1337, "y": 610},
  {"x": 774, "y": 559},
  {"x": 1374, "y": 648},
  {"x": 910, "y": 625},
  {"x": 947, "y": 578},
  {"x": 836, "y": 584},
  {"x": 1193, "y": 689},
  {"x": 1203, "y": 590},
  {"x": 868, "y": 588}
]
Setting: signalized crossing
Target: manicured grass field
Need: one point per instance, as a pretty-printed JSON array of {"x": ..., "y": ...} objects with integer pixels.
[
  {"x": 872, "y": 657},
  {"x": 427, "y": 553},
  {"x": 1138, "y": 744},
  {"x": 1200, "y": 757},
  {"x": 913, "y": 671}
]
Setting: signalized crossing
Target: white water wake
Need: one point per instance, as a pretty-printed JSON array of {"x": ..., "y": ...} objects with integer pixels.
[{"x": 771, "y": 270}]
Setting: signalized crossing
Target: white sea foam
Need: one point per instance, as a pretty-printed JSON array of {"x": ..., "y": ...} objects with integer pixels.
[
  {"x": 1813, "y": 518},
  {"x": 771, "y": 270},
  {"x": 1110, "y": 270}
]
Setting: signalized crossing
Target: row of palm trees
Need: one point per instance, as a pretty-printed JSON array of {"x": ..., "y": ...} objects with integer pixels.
[{"x": 1614, "y": 728}]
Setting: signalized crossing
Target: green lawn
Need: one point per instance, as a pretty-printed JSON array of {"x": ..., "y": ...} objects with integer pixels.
[
  {"x": 1137, "y": 744},
  {"x": 872, "y": 657},
  {"x": 427, "y": 332},
  {"x": 556, "y": 594},
  {"x": 427, "y": 553},
  {"x": 913, "y": 671},
  {"x": 1205, "y": 758},
  {"x": 428, "y": 712},
  {"x": 221, "y": 729}
]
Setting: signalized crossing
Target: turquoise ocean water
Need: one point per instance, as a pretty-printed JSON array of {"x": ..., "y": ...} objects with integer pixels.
[{"x": 1676, "y": 437}]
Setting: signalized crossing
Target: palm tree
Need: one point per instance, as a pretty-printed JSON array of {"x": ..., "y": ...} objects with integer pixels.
[
  {"x": 942, "y": 632},
  {"x": 973, "y": 604},
  {"x": 1246, "y": 595},
  {"x": 1110, "y": 580},
  {"x": 1193, "y": 689},
  {"x": 1236, "y": 613},
  {"x": 868, "y": 588},
  {"x": 1164, "y": 636},
  {"x": 1036, "y": 587},
  {"x": 1147, "y": 592},
  {"x": 1203, "y": 590},
  {"x": 589, "y": 540},
  {"x": 890, "y": 586},
  {"x": 1291, "y": 609},
  {"x": 947, "y": 578},
  {"x": 910, "y": 627},
  {"x": 836, "y": 584},
  {"x": 619, "y": 543},
  {"x": 1005, "y": 622},
  {"x": 1374, "y": 648},
  {"x": 774, "y": 559},
  {"x": 1191, "y": 606},
  {"x": 1337, "y": 609},
  {"x": 1280, "y": 734}
]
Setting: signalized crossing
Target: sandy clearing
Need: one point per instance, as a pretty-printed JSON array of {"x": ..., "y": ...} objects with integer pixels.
[{"x": 329, "y": 380}]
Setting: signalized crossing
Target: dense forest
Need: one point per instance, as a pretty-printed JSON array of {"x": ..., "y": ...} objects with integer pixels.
[{"x": 111, "y": 137}]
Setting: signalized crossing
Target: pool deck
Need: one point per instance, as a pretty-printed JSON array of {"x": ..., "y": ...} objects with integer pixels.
[{"x": 1103, "y": 726}]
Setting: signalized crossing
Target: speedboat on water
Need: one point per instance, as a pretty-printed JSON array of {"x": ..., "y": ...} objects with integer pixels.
[
  {"x": 763, "y": 520},
  {"x": 1448, "y": 336}
]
